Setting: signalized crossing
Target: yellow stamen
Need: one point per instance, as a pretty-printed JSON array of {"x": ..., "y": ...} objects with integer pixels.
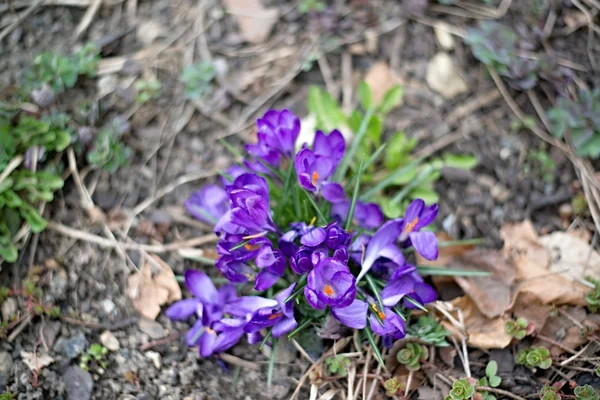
[
  {"x": 328, "y": 290},
  {"x": 411, "y": 225},
  {"x": 276, "y": 315},
  {"x": 210, "y": 331},
  {"x": 379, "y": 313},
  {"x": 315, "y": 177},
  {"x": 312, "y": 221}
]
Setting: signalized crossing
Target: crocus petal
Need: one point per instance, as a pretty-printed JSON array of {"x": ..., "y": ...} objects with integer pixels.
[
  {"x": 393, "y": 253},
  {"x": 227, "y": 339},
  {"x": 425, "y": 293},
  {"x": 427, "y": 216},
  {"x": 373, "y": 216},
  {"x": 388, "y": 233},
  {"x": 393, "y": 292},
  {"x": 333, "y": 192},
  {"x": 244, "y": 305},
  {"x": 182, "y": 309},
  {"x": 227, "y": 293},
  {"x": 206, "y": 343},
  {"x": 314, "y": 237},
  {"x": 304, "y": 158},
  {"x": 265, "y": 279},
  {"x": 284, "y": 294},
  {"x": 425, "y": 243},
  {"x": 265, "y": 257},
  {"x": 414, "y": 209},
  {"x": 313, "y": 299},
  {"x": 192, "y": 337},
  {"x": 201, "y": 286},
  {"x": 284, "y": 326},
  {"x": 254, "y": 337},
  {"x": 353, "y": 316},
  {"x": 323, "y": 166},
  {"x": 306, "y": 182}
]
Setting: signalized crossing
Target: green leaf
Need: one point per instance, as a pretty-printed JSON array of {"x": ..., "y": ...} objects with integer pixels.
[
  {"x": 6, "y": 184},
  {"x": 462, "y": 161},
  {"x": 8, "y": 252},
  {"x": 350, "y": 215},
  {"x": 365, "y": 95},
  {"x": 34, "y": 219},
  {"x": 427, "y": 194},
  {"x": 390, "y": 209},
  {"x": 558, "y": 118},
  {"x": 325, "y": 108},
  {"x": 391, "y": 99},
  {"x": 491, "y": 369},
  {"x": 495, "y": 381},
  {"x": 375, "y": 130},
  {"x": 398, "y": 150}
]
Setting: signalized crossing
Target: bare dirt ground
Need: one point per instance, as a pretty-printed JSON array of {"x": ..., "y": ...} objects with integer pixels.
[{"x": 176, "y": 151}]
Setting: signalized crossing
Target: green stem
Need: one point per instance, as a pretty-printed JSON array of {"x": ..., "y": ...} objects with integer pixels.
[
  {"x": 200, "y": 259},
  {"x": 449, "y": 272},
  {"x": 300, "y": 328},
  {"x": 316, "y": 207},
  {"x": 376, "y": 351},
  {"x": 362, "y": 130},
  {"x": 350, "y": 215},
  {"x": 266, "y": 339},
  {"x": 299, "y": 288},
  {"x": 271, "y": 364},
  {"x": 375, "y": 291}
]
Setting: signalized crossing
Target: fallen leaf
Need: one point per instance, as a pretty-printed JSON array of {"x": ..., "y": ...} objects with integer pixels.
[
  {"x": 447, "y": 354},
  {"x": 564, "y": 331},
  {"x": 529, "y": 306},
  {"x": 254, "y": 20},
  {"x": 148, "y": 293},
  {"x": 380, "y": 79},
  {"x": 481, "y": 331},
  {"x": 491, "y": 294},
  {"x": 36, "y": 362},
  {"x": 443, "y": 77},
  {"x": 571, "y": 256},
  {"x": 547, "y": 278}
]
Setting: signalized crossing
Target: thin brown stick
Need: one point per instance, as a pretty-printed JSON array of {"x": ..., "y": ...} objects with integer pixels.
[
  {"x": 231, "y": 359},
  {"x": 87, "y": 18},
  {"x": 555, "y": 343},
  {"x": 12, "y": 165},
  {"x": 32, "y": 8},
  {"x": 26, "y": 321},
  {"x": 167, "y": 339},
  {"x": 499, "y": 391}
]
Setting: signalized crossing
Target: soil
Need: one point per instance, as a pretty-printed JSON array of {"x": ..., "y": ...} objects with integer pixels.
[{"x": 89, "y": 282}]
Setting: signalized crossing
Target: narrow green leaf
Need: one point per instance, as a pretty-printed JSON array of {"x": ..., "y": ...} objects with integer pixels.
[
  {"x": 391, "y": 99},
  {"x": 232, "y": 149},
  {"x": 424, "y": 174},
  {"x": 266, "y": 338},
  {"x": 461, "y": 161},
  {"x": 271, "y": 363},
  {"x": 415, "y": 303},
  {"x": 373, "y": 344},
  {"x": 315, "y": 206},
  {"x": 463, "y": 242},
  {"x": 450, "y": 272},
  {"x": 300, "y": 328},
  {"x": 343, "y": 167},
  {"x": 375, "y": 291},
  {"x": 299, "y": 288},
  {"x": 350, "y": 215},
  {"x": 389, "y": 180},
  {"x": 200, "y": 259},
  {"x": 365, "y": 95}
]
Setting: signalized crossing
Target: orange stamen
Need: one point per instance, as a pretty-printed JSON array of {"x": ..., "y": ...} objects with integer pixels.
[
  {"x": 251, "y": 247},
  {"x": 328, "y": 290},
  {"x": 379, "y": 313},
  {"x": 276, "y": 315},
  {"x": 210, "y": 331},
  {"x": 411, "y": 225},
  {"x": 315, "y": 176}
]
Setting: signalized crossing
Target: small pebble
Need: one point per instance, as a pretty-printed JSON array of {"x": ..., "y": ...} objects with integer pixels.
[
  {"x": 109, "y": 341},
  {"x": 155, "y": 357}
]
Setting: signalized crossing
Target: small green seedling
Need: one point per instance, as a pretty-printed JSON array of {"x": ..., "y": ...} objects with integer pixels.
[
  {"x": 585, "y": 392},
  {"x": 550, "y": 392},
  {"x": 108, "y": 152},
  {"x": 532, "y": 358},
  {"x": 462, "y": 389},
  {"x": 147, "y": 90},
  {"x": 593, "y": 297},
  {"x": 337, "y": 365},
  {"x": 429, "y": 330},
  {"x": 307, "y": 6},
  {"x": 517, "y": 329},
  {"x": 490, "y": 379},
  {"x": 394, "y": 387},
  {"x": 413, "y": 355},
  {"x": 95, "y": 353},
  {"x": 8, "y": 396},
  {"x": 197, "y": 79}
]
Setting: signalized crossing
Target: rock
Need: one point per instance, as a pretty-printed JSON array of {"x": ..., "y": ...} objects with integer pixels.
[
  {"x": 6, "y": 363},
  {"x": 500, "y": 193},
  {"x": 108, "y": 306},
  {"x": 155, "y": 357},
  {"x": 59, "y": 284},
  {"x": 9, "y": 308},
  {"x": 44, "y": 96},
  {"x": 107, "y": 84},
  {"x": 443, "y": 78},
  {"x": 109, "y": 341},
  {"x": 144, "y": 396},
  {"x": 71, "y": 347},
  {"x": 79, "y": 384},
  {"x": 148, "y": 31},
  {"x": 152, "y": 328},
  {"x": 50, "y": 330},
  {"x": 565, "y": 210},
  {"x": 444, "y": 38}
]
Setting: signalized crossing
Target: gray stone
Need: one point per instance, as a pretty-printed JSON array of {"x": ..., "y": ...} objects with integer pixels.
[
  {"x": 50, "y": 331},
  {"x": 59, "y": 285},
  {"x": 6, "y": 363},
  {"x": 71, "y": 347},
  {"x": 79, "y": 384},
  {"x": 9, "y": 308},
  {"x": 108, "y": 306},
  {"x": 152, "y": 328}
]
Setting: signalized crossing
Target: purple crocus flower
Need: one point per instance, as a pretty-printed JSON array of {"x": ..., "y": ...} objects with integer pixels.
[
  {"x": 208, "y": 204},
  {"x": 279, "y": 316},
  {"x": 418, "y": 216},
  {"x": 232, "y": 172},
  {"x": 312, "y": 170},
  {"x": 268, "y": 276},
  {"x": 404, "y": 284},
  {"x": 301, "y": 260},
  {"x": 332, "y": 145},
  {"x": 381, "y": 245},
  {"x": 279, "y": 130},
  {"x": 330, "y": 283},
  {"x": 234, "y": 270},
  {"x": 208, "y": 304},
  {"x": 366, "y": 215}
]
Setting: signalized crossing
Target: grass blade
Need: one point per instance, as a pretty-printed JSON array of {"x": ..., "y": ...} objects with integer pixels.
[
  {"x": 389, "y": 180},
  {"x": 362, "y": 130},
  {"x": 415, "y": 303},
  {"x": 373, "y": 344},
  {"x": 316, "y": 206},
  {"x": 200, "y": 259},
  {"x": 463, "y": 242},
  {"x": 300, "y": 328},
  {"x": 350, "y": 215},
  {"x": 424, "y": 174},
  {"x": 271, "y": 364},
  {"x": 266, "y": 339},
  {"x": 450, "y": 272},
  {"x": 375, "y": 291}
]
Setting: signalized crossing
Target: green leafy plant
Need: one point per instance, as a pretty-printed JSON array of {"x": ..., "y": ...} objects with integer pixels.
[
  {"x": 95, "y": 353},
  {"x": 540, "y": 164},
  {"x": 337, "y": 365},
  {"x": 394, "y": 387},
  {"x": 307, "y": 6},
  {"x": 7, "y": 396},
  {"x": 531, "y": 358},
  {"x": 197, "y": 79},
  {"x": 516, "y": 328},
  {"x": 585, "y": 392},
  {"x": 412, "y": 355},
  {"x": 550, "y": 392},
  {"x": 398, "y": 171},
  {"x": 462, "y": 389},
  {"x": 61, "y": 72},
  {"x": 490, "y": 379},
  {"x": 108, "y": 152},
  {"x": 576, "y": 120},
  {"x": 593, "y": 297},
  {"x": 147, "y": 90},
  {"x": 428, "y": 330}
]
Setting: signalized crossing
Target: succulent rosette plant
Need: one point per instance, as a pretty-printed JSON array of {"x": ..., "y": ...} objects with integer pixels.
[{"x": 298, "y": 245}]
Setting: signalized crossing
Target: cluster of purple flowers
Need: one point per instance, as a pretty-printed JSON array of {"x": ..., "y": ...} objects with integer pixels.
[{"x": 326, "y": 261}]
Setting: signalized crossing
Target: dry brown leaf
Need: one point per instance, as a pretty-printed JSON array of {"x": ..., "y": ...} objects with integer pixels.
[
  {"x": 148, "y": 293},
  {"x": 380, "y": 79},
  {"x": 482, "y": 332},
  {"x": 564, "y": 331},
  {"x": 491, "y": 294},
  {"x": 530, "y": 307},
  {"x": 36, "y": 362},
  {"x": 571, "y": 256},
  {"x": 254, "y": 20},
  {"x": 536, "y": 274}
]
